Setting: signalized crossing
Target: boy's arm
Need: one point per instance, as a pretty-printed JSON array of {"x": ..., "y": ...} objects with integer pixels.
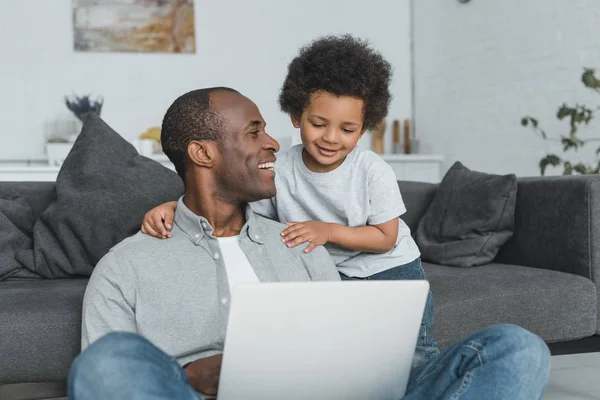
[
  {"x": 105, "y": 305},
  {"x": 370, "y": 239}
]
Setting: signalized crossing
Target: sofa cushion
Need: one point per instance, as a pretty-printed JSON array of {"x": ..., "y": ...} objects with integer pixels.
[
  {"x": 470, "y": 218},
  {"x": 40, "y": 329},
  {"x": 555, "y": 305},
  {"x": 103, "y": 190}
]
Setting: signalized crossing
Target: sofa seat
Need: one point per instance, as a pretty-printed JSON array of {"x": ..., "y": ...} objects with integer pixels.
[
  {"x": 555, "y": 305},
  {"x": 40, "y": 329}
]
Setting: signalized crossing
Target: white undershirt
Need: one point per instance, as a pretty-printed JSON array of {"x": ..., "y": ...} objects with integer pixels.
[{"x": 237, "y": 265}]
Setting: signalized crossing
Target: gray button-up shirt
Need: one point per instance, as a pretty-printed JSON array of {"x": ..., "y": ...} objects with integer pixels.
[{"x": 175, "y": 292}]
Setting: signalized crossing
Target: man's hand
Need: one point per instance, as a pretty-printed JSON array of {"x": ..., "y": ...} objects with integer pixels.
[
  {"x": 316, "y": 232},
  {"x": 203, "y": 374}
]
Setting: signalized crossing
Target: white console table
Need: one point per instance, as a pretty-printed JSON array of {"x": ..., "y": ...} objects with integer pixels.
[
  {"x": 408, "y": 167},
  {"x": 417, "y": 167},
  {"x": 41, "y": 171}
]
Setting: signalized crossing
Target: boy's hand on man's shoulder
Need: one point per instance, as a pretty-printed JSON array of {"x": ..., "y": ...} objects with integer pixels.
[{"x": 317, "y": 233}]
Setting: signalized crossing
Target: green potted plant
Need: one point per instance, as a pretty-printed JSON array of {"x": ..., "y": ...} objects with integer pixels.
[{"x": 577, "y": 116}]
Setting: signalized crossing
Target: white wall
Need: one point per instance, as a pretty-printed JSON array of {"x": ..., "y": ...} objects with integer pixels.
[
  {"x": 243, "y": 44},
  {"x": 480, "y": 66}
]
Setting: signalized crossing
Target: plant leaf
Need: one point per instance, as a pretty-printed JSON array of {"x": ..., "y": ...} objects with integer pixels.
[
  {"x": 550, "y": 159},
  {"x": 582, "y": 169},
  {"x": 589, "y": 79},
  {"x": 568, "y": 168},
  {"x": 571, "y": 143}
]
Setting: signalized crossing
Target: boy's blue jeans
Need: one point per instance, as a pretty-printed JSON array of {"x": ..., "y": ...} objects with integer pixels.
[
  {"x": 426, "y": 344},
  {"x": 502, "y": 362}
]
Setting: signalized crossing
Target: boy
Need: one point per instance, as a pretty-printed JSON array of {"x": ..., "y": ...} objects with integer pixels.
[{"x": 329, "y": 191}]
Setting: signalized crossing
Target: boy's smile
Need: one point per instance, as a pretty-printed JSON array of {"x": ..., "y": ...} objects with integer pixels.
[{"x": 330, "y": 127}]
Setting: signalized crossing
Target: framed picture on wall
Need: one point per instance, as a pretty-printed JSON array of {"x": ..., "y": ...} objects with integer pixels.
[{"x": 150, "y": 26}]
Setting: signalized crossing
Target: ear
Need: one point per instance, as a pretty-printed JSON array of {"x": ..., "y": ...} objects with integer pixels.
[
  {"x": 202, "y": 153},
  {"x": 362, "y": 132},
  {"x": 295, "y": 121}
]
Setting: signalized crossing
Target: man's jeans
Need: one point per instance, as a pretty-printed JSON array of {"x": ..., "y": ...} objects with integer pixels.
[
  {"x": 426, "y": 344},
  {"x": 501, "y": 362}
]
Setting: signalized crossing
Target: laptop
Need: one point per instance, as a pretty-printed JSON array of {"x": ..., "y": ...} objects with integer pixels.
[{"x": 321, "y": 340}]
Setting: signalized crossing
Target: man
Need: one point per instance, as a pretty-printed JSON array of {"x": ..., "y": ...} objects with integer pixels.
[{"x": 155, "y": 311}]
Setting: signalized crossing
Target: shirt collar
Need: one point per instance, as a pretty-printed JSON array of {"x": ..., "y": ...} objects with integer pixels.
[{"x": 197, "y": 227}]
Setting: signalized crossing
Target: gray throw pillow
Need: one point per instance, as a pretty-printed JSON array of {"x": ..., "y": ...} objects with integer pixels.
[
  {"x": 102, "y": 192},
  {"x": 16, "y": 225},
  {"x": 470, "y": 218}
]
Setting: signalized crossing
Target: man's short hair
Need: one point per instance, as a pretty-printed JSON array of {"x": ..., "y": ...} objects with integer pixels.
[{"x": 190, "y": 118}]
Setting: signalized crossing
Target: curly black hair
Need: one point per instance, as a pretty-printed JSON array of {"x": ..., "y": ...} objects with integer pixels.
[
  {"x": 190, "y": 118},
  {"x": 342, "y": 65}
]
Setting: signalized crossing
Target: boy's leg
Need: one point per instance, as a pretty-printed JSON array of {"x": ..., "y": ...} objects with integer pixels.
[
  {"x": 127, "y": 366},
  {"x": 500, "y": 362},
  {"x": 426, "y": 344}
]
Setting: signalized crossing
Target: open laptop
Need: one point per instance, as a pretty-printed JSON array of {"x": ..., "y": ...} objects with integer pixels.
[{"x": 321, "y": 340}]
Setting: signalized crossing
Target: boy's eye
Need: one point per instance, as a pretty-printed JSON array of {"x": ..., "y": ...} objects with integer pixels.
[
  {"x": 318, "y": 125},
  {"x": 348, "y": 130},
  {"x": 255, "y": 133}
]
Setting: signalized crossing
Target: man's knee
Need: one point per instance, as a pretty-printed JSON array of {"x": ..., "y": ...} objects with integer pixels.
[
  {"x": 512, "y": 340},
  {"x": 105, "y": 356}
]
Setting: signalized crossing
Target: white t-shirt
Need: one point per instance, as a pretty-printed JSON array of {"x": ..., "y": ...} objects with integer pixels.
[
  {"x": 363, "y": 190},
  {"x": 236, "y": 263}
]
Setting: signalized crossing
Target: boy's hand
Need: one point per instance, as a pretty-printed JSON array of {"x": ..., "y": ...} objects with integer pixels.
[
  {"x": 316, "y": 232},
  {"x": 159, "y": 221}
]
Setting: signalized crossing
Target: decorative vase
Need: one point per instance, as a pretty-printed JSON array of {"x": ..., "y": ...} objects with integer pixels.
[{"x": 57, "y": 152}]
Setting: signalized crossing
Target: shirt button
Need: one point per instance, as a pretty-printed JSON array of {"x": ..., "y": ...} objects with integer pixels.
[
  {"x": 256, "y": 237},
  {"x": 204, "y": 225},
  {"x": 197, "y": 235},
  {"x": 217, "y": 256},
  {"x": 224, "y": 300}
]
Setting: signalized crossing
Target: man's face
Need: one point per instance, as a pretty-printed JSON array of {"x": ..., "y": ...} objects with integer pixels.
[{"x": 244, "y": 170}]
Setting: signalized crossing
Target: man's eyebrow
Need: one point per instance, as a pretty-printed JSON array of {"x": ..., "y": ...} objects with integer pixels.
[{"x": 254, "y": 124}]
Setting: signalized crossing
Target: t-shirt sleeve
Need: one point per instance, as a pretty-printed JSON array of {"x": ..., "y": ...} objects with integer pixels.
[
  {"x": 385, "y": 200},
  {"x": 266, "y": 208}
]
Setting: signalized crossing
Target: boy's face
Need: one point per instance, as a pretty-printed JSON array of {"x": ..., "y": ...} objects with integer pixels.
[{"x": 330, "y": 127}]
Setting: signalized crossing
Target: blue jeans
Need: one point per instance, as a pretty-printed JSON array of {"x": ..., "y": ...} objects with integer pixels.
[
  {"x": 426, "y": 344},
  {"x": 502, "y": 362}
]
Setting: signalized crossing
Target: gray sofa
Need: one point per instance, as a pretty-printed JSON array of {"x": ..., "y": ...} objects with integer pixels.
[{"x": 544, "y": 279}]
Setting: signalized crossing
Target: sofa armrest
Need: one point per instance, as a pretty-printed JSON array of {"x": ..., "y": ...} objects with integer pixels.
[{"x": 557, "y": 225}]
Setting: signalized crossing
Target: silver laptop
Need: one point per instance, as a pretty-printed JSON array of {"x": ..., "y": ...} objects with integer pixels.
[{"x": 321, "y": 340}]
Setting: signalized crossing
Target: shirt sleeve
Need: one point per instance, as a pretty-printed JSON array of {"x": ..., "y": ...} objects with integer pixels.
[
  {"x": 385, "y": 200},
  {"x": 105, "y": 305},
  {"x": 320, "y": 265},
  {"x": 266, "y": 208}
]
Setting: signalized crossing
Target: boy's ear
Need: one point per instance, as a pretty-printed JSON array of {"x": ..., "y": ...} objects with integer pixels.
[
  {"x": 202, "y": 153},
  {"x": 295, "y": 121}
]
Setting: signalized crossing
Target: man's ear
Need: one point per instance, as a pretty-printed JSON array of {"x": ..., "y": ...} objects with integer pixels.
[
  {"x": 295, "y": 121},
  {"x": 202, "y": 153}
]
